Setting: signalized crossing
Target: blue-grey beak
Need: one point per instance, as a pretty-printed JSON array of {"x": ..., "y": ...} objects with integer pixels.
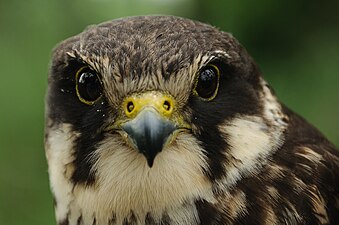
[{"x": 149, "y": 132}]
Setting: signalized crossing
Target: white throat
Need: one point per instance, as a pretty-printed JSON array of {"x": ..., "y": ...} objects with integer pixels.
[{"x": 126, "y": 184}]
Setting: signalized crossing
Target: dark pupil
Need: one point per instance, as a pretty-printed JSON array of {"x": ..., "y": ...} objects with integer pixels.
[
  {"x": 207, "y": 83},
  {"x": 89, "y": 86}
]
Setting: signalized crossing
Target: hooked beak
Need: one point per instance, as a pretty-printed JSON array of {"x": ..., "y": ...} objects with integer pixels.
[
  {"x": 149, "y": 121},
  {"x": 149, "y": 132}
]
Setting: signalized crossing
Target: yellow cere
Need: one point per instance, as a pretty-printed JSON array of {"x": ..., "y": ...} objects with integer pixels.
[{"x": 161, "y": 102}]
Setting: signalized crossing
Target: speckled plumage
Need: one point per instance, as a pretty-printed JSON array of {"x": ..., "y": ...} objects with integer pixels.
[{"x": 245, "y": 159}]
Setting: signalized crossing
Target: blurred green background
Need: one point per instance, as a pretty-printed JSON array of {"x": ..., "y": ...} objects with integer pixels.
[{"x": 296, "y": 44}]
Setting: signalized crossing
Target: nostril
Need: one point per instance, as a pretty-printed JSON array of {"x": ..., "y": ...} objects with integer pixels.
[
  {"x": 130, "y": 106},
  {"x": 167, "y": 105}
]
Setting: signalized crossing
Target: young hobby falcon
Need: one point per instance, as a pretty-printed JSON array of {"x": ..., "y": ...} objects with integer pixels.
[{"x": 160, "y": 120}]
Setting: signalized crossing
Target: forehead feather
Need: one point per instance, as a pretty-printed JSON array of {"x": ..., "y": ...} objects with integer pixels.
[{"x": 150, "y": 38}]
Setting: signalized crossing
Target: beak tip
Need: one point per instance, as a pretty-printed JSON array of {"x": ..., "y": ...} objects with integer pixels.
[
  {"x": 150, "y": 162},
  {"x": 150, "y": 156}
]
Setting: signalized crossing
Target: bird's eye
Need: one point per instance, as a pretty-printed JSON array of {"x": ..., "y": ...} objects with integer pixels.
[
  {"x": 207, "y": 82},
  {"x": 88, "y": 86}
]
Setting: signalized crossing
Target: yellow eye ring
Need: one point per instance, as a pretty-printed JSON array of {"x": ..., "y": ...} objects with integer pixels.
[
  {"x": 88, "y": 85},
  {"x": 207, "y": 82}
]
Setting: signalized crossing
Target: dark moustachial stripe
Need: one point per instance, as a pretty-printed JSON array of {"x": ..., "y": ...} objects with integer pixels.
[
  {"x": 87, "y": 120},
  {"x": 89, "y": 127},
  {"x": 85, "y": 145},
  {"x": 209, "y": 115}
]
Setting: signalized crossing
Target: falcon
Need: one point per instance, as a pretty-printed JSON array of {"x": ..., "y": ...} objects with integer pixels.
[{"x": 160, "y": 120}]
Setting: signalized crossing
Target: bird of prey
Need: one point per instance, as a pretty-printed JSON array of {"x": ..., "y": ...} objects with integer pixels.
[{"x": 160, "y": 120}]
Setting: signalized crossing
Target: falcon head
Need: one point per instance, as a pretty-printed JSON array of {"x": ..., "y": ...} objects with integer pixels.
[{"x": 146, "y": 116}]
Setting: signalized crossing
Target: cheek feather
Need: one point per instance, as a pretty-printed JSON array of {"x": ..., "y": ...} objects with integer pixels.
[
  {"x": 250, "y": 143},
  {"x": 59, "y": 145}
]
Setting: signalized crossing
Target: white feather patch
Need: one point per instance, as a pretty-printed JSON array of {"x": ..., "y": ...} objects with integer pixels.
[
  {"x": 250, "y": 143},
  {"x": 125, "y": 183},
  {"x": 59, "y": 148},
  {"x": 252, "y": 139}
]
